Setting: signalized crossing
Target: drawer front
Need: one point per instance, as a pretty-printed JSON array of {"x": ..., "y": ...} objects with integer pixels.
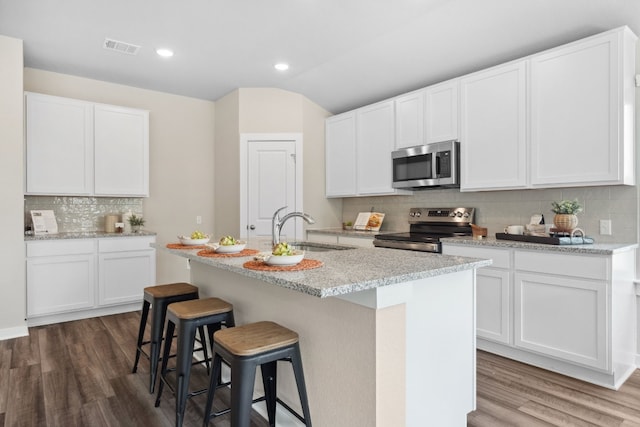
[
  {"x": 501, "y": 257},
  {"x": 60, "y": 247},
  {"x": 120, "y": 244},
  {"x": 583, "y": 265}
]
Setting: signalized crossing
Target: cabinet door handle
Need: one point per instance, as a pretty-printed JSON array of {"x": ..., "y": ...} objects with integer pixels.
[{"x": 252, "y": 227}]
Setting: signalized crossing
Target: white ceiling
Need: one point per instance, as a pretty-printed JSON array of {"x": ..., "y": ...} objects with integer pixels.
[{"x": 343, "y": 53}]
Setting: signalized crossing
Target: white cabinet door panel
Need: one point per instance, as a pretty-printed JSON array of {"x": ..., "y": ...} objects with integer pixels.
[
  {"x": 375, "y": 142},
  {"x": 341, "y": 155},
  {"x": 409, "y": 119},
  {"x": 121, "y": 151},
  {"x": 59, "y": 145},
  {"x": 493, "y": 128},
  {"x": 60, "y": 284},
  {"x": 124, "y": 275},
  {"x": 441, "y": 122},
  {"x": 493, "y": 305},
  {"x": 562, "y": 317},
  {"x": 574, "y": 114}
]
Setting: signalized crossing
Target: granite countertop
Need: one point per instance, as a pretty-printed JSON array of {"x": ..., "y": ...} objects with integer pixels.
[
  {"x": 346, "y": 271},
  {"x": 595, "y": 248},
  {"x": 86, "y": 235}
]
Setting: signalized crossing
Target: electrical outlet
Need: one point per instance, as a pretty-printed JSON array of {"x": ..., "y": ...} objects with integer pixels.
[
  {"x": 605, "y": 227},
  {"x": 198, "y": 219}
]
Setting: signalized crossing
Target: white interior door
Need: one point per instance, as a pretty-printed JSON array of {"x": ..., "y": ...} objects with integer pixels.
[{"x": 271, "y": 184}]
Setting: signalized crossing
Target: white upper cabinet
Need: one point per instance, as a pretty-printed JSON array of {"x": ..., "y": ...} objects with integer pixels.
[
  {"x": 410, "y": 119},
  {"x": 580, "y": 94},
  {"x": 59, "y": 157},
  {"x": 441, "y": 111},
  {"x": 81, "y": 148},
  {"x": 375, "y": 141},
  {"x": 358, "y": 152},
  {"x": 340, "y": 152},
  {"x": 121, "y": 151},
  {"x": 493, "y": 133}
]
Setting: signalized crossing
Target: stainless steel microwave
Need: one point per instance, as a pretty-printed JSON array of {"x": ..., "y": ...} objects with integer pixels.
[{"x": 424, "y": 166}]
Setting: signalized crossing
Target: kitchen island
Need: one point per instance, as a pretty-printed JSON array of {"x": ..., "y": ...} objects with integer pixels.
[{"x": 387, "y": 336}]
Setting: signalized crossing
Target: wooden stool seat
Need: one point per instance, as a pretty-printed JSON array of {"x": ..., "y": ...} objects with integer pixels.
[
  {"x": 247, "y": 340},
  {"x": 200, "y": 308},
  {"x": 170, "y": 290},
  {"x": 158, "y": 299}
]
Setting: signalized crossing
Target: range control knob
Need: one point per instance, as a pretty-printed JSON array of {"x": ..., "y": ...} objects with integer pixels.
[
  {"x": 466, "y": 215},
  {"x": 459, "y": 214},
  {"x": 418, "y": 214},
  {"x": 452, "y": 214}
]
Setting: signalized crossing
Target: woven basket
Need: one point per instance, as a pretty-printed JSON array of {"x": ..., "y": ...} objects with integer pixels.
[{"x": 565, "y": 222}]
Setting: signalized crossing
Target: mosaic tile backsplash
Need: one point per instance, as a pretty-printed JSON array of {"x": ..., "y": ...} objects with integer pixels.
[{"x": 80, "y": 214}]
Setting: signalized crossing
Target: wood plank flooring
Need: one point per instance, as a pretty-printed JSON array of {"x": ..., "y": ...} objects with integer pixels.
[{"x": 79, "y": 374}]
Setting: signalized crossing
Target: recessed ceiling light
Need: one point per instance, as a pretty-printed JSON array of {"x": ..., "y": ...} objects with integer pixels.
[
  {"x": 165, "y": 53},
  {"x": 281, "y": 66}
]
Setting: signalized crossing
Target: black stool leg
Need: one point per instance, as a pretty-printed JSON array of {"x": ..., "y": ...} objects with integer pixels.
[
  {"x": 213, "y": 383},
  {"x": 165, "y": 358},
  {"x": 296, "y": 361},
  {"x": 269, "y": 376},
  {"x": 205, "y": 351},
  {"x": 143, "y": 324},
  {"x": 244, "y": 375},
  {"x": 157, "y": 326},
  {"x": 186, "y": 339}
]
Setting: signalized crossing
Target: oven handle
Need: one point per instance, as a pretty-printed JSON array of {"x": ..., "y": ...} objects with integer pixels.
[{"x": 412, "y": 246}]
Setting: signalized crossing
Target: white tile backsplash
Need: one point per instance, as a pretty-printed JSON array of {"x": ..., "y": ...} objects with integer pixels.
[
  {"x": 497, "y": 209},
  {"x": 81, "y": 214}
]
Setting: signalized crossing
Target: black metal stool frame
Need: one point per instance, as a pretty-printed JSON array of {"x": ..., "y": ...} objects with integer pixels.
[
  {"x": 157, "y": 327},
  {"x": 186, "y": 341},
  {"x": 243, "y": 372}
]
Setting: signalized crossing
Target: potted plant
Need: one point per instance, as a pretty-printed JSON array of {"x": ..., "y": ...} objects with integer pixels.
[
  {"x": 136, "y": 223},
  {"x": 347, "y": 225},
  {"x": 566, "y": 210}
]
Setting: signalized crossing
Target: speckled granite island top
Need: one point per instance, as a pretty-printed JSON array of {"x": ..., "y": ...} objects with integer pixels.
[
  {"x": 347, "y": 271},
  {"x": 595, "y": 248},
  {"x": 86, "y": 235}
]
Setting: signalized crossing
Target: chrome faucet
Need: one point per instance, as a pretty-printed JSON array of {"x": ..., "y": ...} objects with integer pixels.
[{"x": 277, "y": 223}]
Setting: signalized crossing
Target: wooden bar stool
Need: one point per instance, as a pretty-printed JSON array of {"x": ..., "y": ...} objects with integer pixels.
[
  {"x": 244, "y": 348},
  {"x": 187, "y": 317},
  {"x": 158, "y": 298}
]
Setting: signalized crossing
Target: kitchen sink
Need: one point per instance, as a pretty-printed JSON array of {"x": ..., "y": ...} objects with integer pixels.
[{"x": 319, "y": 247}]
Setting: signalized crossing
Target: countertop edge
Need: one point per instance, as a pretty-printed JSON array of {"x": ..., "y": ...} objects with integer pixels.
[
  {"x": 85, "y": 235},
  {"x": 277, "y": 278},
  {"x": 595, "y": 248}
]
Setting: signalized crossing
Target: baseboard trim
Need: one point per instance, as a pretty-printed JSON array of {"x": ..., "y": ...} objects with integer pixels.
[{"x": 15, "y": 332}]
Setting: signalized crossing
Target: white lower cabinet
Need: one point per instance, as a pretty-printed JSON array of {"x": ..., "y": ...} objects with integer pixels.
[
  {"x": 572, "y": 313},
  {"x": 79, "y": 278},
  {"x": 60, "y": 276},
  {"x": 126, "y": 267}
]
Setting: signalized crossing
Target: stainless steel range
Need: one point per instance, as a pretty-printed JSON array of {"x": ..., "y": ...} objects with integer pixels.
[{"x": 427, "y": 226}]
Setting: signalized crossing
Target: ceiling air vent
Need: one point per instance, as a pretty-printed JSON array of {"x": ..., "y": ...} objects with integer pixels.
[{"x": 121, "y": 47}]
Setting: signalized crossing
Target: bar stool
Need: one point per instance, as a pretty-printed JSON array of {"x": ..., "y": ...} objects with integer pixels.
[
  {"x": 187, "y": 317},
  {"x": 159, "y": 297},
  {"x": 244, "y": 348}
]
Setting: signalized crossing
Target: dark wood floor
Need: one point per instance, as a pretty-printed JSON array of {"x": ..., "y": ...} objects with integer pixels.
[{"x": 79, "y": 374}]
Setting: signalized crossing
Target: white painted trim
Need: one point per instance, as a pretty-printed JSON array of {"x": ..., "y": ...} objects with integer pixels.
[
  {"x": 245, "y": 138},
  {"x": 84, "y": 314},
  {"x": 15, "y": 332}
]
